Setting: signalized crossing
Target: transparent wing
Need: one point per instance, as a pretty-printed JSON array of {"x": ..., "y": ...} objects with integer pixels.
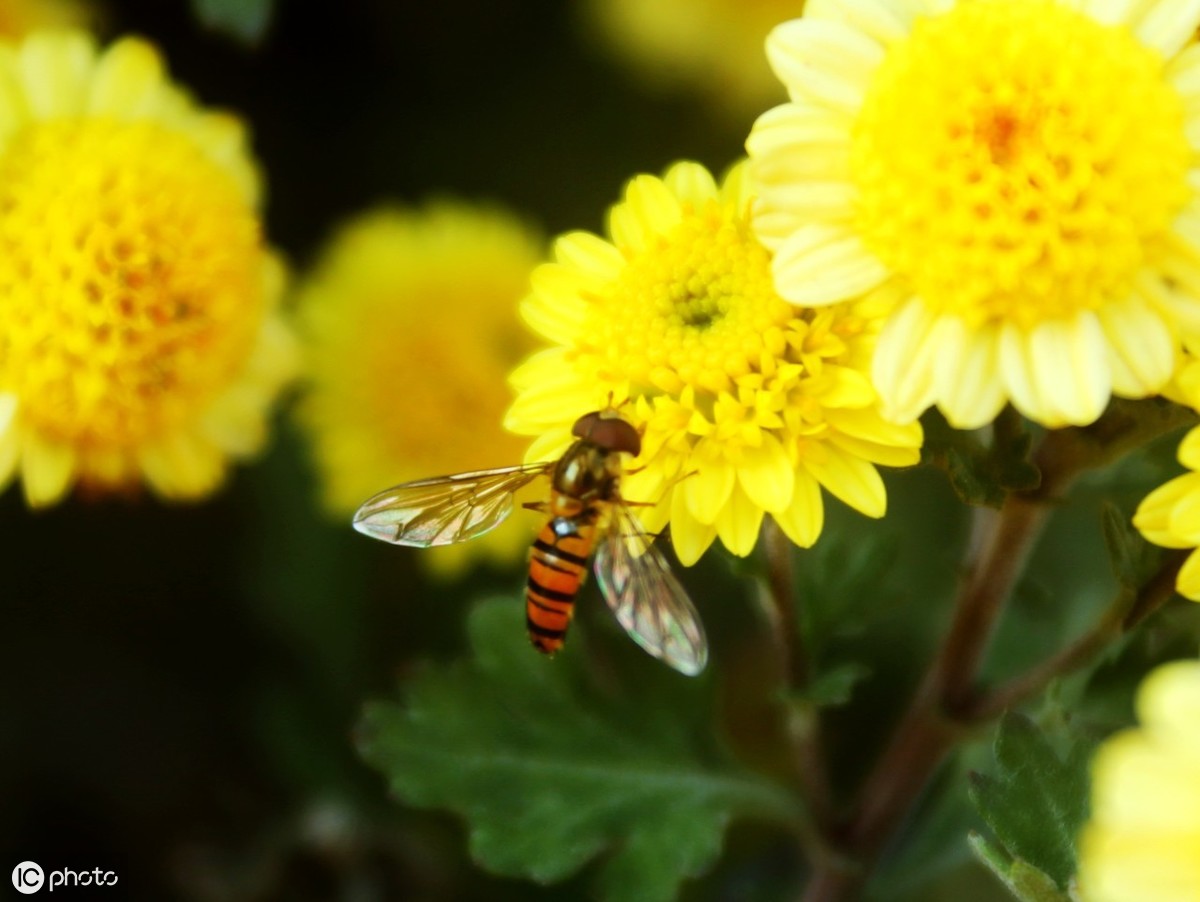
[
  {"x": 646, "y": 598},
  {"x": 445, "y": 509}
]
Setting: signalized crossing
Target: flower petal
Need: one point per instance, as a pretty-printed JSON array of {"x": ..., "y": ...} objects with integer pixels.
[
  {"x": 905, "y": 358},
  {"x": 47, "y": 469},
  {"x": 827, "y": 61},
  {"x": 822, "y": 264},
  {"x": 850, "y": 478},
  {"x": 804, "y": 518},
  {"x": 739, "y": 523}
]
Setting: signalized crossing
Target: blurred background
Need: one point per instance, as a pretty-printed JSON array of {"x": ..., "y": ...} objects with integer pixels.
[{"x": 180, "y": 684}]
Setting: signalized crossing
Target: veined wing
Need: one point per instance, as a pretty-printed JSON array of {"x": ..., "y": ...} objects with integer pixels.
[
  {"x": 445, "y": 509},
  {"x": 647, "y": 599}
]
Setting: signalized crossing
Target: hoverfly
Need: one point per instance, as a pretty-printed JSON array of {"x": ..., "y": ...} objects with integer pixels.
[{"x": 587, "y": 519}]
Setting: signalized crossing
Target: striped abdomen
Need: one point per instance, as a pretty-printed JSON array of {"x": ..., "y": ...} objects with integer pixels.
[{"x": 556, "y": 571}]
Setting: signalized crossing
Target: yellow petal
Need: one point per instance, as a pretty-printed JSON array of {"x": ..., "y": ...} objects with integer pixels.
[
  {"x": 690, "y": 182},
  {"x": 590, "y": 254},
  {"x": 739, "y": 523},
  {"x": 128, "y": 81},
  {"x": 689, "y": 536},
  {"x": 766, "y": 475},
  {"x": 708, "y": 489},
  {"x": 804, "y": 518},
  {"x": 850, "y": 478},
  {"x": 1189, "y": 449},
  {"x": 47, "y": 469}
]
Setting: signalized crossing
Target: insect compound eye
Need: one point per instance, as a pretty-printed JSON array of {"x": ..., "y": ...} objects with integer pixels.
[{"x": 609, "y": 433}]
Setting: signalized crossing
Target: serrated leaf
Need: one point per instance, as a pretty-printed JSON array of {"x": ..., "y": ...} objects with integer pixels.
[
  {"x": 246, "y": 20},
  {"x": 1038, "y": 801},
  {"x": 550, "y": 773},
  {"x": 1023, "y": 880}
]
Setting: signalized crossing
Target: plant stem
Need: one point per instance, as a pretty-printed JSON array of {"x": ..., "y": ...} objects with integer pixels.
[
  {"x": 795, "y": 664},
  {"x": 1120, "y": 617},
  {"x": 931, "y": 726}
]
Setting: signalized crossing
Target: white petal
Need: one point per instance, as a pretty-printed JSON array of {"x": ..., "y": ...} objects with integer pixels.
[
  {"x": 1167, "y": 25},
  {"x": 1141, "y": 352},
  {"x": 886, "y": 21},
  {"x": 970, "y": 389},
  {"x": 822, "y": 264},
  {"x": 827, "y": 61},
  {"x": 55, "y": 68},
  {"x": 905, "y": 357}
]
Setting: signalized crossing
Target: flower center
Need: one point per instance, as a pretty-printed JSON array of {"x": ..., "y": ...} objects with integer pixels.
[
  {"x": 131, "y": 279},
  {"x": 1017, "y": 161},
  {"x": 695, "y": 308}
]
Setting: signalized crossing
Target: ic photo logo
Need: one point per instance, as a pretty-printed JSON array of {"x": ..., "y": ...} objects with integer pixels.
[{"x": 28, "y": 877}]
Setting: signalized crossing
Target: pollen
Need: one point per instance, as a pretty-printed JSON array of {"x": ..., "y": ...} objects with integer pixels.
[
  {"x": 697, "y": 307},
  {"x": 1018, "y": 162},
  {"x": 130, "y": 279}
]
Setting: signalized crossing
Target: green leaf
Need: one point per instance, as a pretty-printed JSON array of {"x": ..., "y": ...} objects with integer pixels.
[
  {"x": 834, "y": 686},
  {"x": 982, "y": 475},
  {"x": 246, "y": 20},
  {"x": 1024, "y": 881},
  {"x": 550, "y": 772},
  {"x": 1038, "y": 801},
  {"x": 1133, "y": 559}
]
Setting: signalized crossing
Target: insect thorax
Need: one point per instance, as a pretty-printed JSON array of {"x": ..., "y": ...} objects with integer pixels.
[{"x": 587, "y": 473}]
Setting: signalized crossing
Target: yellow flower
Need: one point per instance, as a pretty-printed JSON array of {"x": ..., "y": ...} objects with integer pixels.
[
  {"x": 140, "y": 339},
  {"x": 1022, "y": 173},
  {"x": 1170, "y": 515},
  {"x": 1143, "y": 840},
  {"x": 715, "y": 45},
  {"x": 20, "y": 17},
  {"x": 749, "y": 405},
  {"x": 411, "y": 328}
]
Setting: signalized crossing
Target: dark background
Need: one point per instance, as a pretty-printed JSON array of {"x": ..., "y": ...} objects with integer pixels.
[{"x": 179, "y": 684}]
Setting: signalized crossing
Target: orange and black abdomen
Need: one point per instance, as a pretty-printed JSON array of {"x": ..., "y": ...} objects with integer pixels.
[{"x": 556, "y": 571}]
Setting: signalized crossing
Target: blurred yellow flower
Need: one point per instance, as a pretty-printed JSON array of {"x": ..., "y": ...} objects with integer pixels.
[
  {"x": 714, "y": 45},
  {"x": 410, "y": 321},
  {"x": 1143, "y": 840},
  {"x": 140, "y": 337},
  {"x": 1170, "y": 515},
  {"x": 1023, "y": 171},
  {"x": 20, "y": 17},
  {"x": 749, "y": 404}
]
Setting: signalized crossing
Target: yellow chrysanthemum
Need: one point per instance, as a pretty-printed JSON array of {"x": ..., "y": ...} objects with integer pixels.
[
  {"x": 20, "y": 17},
  {"x": 1170, "y": 515},
  {"x": 748, "y": 404},
  {"x": 715, "y": 45},
  {"x": 1022, "y": 172},
  {"x": 140, "y": 339},
  {"x": 411, "y": 326},
  {"x": 1143, "y": 840}
]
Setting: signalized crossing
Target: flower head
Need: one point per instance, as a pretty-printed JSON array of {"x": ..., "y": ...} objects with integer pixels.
[
  {"x": 141, "y": 340},
  {"x": 749, "y": 405},
  {"x": 1143, "y": 839},
  {"x": 411, "y": 328},
  {"x": 1021, "y": 172},
  {"x": 1170, "y": 515},
  {"x": 713, "y": 45}
]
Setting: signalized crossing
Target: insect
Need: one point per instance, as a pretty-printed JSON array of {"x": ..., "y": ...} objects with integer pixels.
[{"x": 587, "y": 518}]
